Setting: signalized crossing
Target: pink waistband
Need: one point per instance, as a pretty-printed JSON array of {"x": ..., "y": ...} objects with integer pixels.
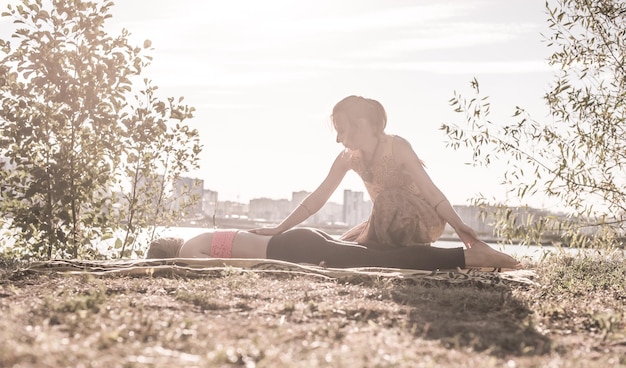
[{"x": 222, "y": 243}]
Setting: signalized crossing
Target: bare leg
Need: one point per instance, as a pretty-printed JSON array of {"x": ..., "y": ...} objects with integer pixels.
[{"x": 482, "y": 255}]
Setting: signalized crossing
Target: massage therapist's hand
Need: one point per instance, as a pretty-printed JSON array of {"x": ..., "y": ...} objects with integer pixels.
[
  {"x": 467, "y": 235},
  {"x": 271, "y": 231}
]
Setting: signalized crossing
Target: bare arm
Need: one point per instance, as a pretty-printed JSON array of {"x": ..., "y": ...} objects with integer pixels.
[{"x": 314, "y": 201}]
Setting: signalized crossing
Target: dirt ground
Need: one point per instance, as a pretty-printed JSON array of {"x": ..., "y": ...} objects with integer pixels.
[{"x": 257, "y": 320}]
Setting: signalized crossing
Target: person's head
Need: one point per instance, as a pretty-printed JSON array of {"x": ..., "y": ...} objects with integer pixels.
[
  {"x": 355, "y": 117},
  {"x": 164, "y": 248}
]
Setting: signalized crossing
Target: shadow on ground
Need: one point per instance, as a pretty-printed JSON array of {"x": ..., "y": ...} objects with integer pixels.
[{"x": 482, "y": 318}]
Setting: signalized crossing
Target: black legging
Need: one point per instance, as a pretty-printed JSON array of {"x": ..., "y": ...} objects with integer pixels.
[{"x": 305, "y": 245}]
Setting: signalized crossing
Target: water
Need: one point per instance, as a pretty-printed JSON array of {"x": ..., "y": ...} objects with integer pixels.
[{"x": 521, "y": 252}]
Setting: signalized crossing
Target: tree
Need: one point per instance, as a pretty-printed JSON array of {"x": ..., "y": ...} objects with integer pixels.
[
  {"x": 152, "y": 167},
  {"x": 70, "y": 133},
  {"x": 578, "y": 158}
]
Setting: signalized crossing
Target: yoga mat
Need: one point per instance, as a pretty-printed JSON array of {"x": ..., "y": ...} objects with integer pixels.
[{"x": 207, "y": 267}]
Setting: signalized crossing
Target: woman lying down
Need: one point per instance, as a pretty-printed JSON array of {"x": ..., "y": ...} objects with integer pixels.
[{"x": 312, "y": 246}]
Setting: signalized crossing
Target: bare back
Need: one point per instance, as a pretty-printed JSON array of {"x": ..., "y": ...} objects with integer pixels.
[{"x": 245, "y": 245}]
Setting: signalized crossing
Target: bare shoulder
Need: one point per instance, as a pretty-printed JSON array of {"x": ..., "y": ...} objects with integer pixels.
[
  {"x": 344, "y": 159},
  {"x": 401, "y": 146},
  {"x": 345, "y": 154}
]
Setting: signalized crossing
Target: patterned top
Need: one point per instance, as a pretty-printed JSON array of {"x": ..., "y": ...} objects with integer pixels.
[
  {"x": 401, "y": 216},
  {"x": 384, "y": 172}
]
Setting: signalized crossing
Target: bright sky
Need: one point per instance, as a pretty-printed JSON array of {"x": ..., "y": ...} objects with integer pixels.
[{"x": 264, "y": 76}]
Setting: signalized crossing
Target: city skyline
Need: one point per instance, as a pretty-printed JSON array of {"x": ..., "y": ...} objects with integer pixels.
[{"x": 342, "y": 216}]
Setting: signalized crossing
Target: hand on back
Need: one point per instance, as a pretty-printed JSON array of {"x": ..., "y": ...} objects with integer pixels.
[{"x": 270, "y": 231}]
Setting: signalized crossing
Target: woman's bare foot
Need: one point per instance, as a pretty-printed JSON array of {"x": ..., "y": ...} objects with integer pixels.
[{"x": 482, "y": 255}]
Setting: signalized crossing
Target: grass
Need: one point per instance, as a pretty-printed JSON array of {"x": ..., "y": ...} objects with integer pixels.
[{"x": 574, "y": 317}]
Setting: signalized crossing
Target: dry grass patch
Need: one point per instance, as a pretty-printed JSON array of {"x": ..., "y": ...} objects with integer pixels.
[{"x": 573, "y": 318}]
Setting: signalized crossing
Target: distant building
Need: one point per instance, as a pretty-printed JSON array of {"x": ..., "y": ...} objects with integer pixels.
[
  {"x": 209, "y": 202},
  {"x": 355, "y": 209},
  {"x": 269, "y": 209},
  {"x": 479, "y": 219},
  {"x": 275, "y": 210},
  {"x": 188, "y": 194},
  {"x": 230, "y": 209},
  {"x": 482, "y": 219},
  {"x": 298, "y": 197},
  {"x": 330, "y": 214}
]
